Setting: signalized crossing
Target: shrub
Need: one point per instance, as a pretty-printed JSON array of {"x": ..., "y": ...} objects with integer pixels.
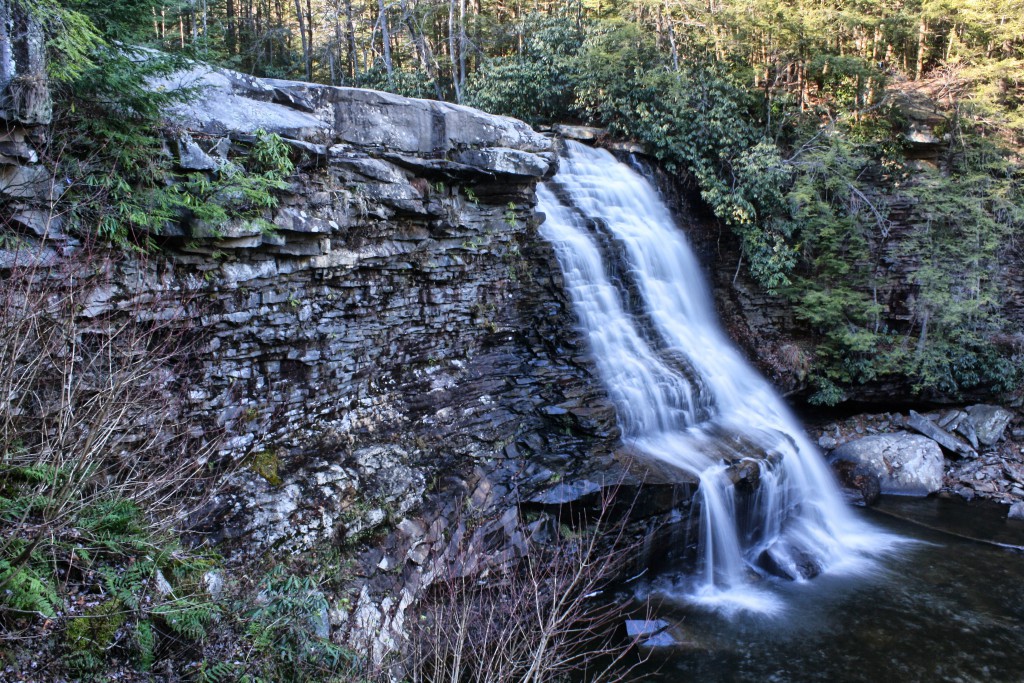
[{"x": 97, "y": 465}]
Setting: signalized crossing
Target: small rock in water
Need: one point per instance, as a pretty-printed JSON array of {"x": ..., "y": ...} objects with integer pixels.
[
  {"x": 650, "y": 632},
  {"x": 663, "y": 639},
  {"x": 827, "y": 443},
  {"x": 788, "y": 563},
  {"x": 1016, "y": 511}
]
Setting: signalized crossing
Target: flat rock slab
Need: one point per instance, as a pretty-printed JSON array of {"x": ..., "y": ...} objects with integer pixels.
[
  {"x": 989, "y": 422},
  {"x": 644, "y": 628},
  {"x": 905, "y": 464},
  {"x": 922, "y": 424},
  {"x": 229, "y": 102}
]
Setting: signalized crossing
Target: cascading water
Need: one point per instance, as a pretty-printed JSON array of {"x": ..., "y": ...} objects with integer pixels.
[{"x": 683, "y": 393}]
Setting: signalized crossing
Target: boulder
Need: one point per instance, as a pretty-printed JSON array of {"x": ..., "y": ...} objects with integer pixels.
[
  {"x": 920, "y": 423},
  {"x": 989, "y": 422},
  {"x": 581, "y": 133},
  {"x": 503, "y": 160},
  {"x": 859, "y": 480},
  {"x": 905, "y": 464},
  {"x": 191, "y": 156},
  {"x": 1016, "y": 511}
]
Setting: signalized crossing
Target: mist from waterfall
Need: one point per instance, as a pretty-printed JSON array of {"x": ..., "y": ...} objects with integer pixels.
[{"x": 683, "y": 393}]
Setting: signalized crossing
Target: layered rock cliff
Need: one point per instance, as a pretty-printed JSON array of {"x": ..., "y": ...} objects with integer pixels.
[{"x": 392, "y": 359}]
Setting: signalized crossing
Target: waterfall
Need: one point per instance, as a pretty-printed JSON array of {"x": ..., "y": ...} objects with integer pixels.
[{"x": 683, "y": 393}]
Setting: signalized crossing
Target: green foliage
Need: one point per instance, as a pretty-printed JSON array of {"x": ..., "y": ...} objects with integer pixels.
[
  {"x": 91, "y": 634},
  {"x": 400, "y": 82},
  {"x": 111, "y": 546},
  {"x": 124, "y": 186},
  {"x": 535, "y": 84},
  {"x": 265, "y": 464},
  {"x": 72, "y": 38},
  {"x": 948, "y": 341},
  {"x": 26, "y": 585},
  {"x": 282, "y": 628}
]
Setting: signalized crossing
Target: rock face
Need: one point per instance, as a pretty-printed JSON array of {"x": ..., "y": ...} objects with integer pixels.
[
  {"x": 905, "y": 464},
  {"x": 402, "y": 307},
  {"x": 395, "y": 357}
]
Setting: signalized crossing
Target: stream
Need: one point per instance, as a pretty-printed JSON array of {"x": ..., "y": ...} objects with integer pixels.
[{"x": 942, "y": 609}]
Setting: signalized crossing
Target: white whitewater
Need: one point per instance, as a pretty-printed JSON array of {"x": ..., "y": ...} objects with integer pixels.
[{"x": 682, "y": 391}]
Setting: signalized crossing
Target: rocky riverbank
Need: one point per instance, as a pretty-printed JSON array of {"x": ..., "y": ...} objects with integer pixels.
[{"x": 976, "y": 451}]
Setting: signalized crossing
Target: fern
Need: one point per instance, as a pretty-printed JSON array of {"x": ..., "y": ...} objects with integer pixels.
[
  {"x": 145, "y": 644},
  {"x": 187, "y": 617},
  {"x": 25, "y": 589},
  {"x": 218, "y": 672}
]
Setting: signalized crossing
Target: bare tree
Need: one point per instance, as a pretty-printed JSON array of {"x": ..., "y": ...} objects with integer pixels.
[
  {"x": 541, "y": 617},
  {"x": 92, "y": 380}
]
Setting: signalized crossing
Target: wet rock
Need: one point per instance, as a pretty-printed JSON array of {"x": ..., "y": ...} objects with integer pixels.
[
  {"x": 859, "y": 481},
  {"x": 905, "y": 464},
  {"x": 789, "y": 563},
  {"x": 581, "y": 133},
  {"x": 745, "y": 474},
  {"x": 1016, "y": 511},
  {"x": 923, "y": 425},
  {"x": 827, "y": 443},
  {"x": 989, "y": 422}
]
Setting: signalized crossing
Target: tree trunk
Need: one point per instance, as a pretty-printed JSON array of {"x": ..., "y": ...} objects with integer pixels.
[
  {"x": 462, "y": 44},
  {"x": 350, "y": 28},
  {"x": 922, "y": 43},
  {"x": 453, "y": 52},
  {"x": 309, "y": 42},
  {"x": 305, "y": 45},
  {"x": 230, "y": 12},
  {"x": 385, "y": 37}
]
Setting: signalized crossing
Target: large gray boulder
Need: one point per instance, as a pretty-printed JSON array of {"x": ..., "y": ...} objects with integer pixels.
[
  {"x": 229, "y": 102},
  {"x": 989, "y": 422},
  {"x": 905, "y": 463}
]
